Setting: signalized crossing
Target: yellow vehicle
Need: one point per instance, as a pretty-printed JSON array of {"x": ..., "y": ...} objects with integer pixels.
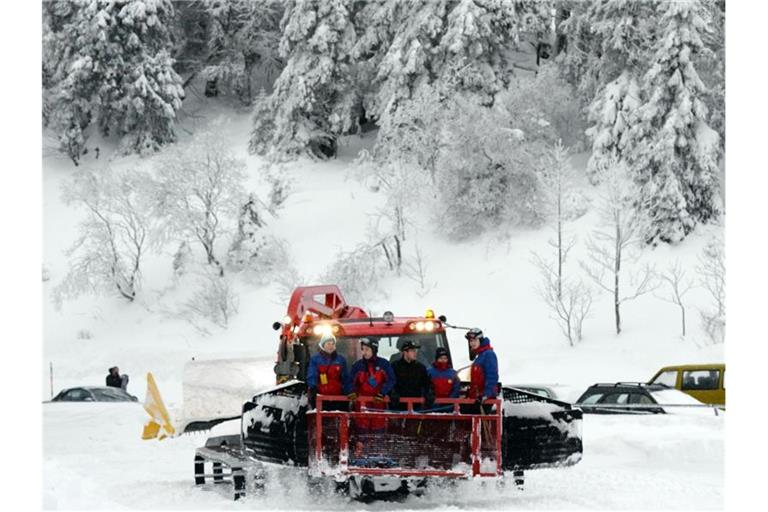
[{"x": 705, "y": 382}]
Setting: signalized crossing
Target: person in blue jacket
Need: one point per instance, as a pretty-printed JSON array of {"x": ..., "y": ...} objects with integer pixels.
[
  {"x": 327, "y": 374},
  {"x": 484, "y": 376}
]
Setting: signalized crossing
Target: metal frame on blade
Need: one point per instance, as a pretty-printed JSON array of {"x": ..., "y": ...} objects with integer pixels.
[{"x": 456, "y": 415}]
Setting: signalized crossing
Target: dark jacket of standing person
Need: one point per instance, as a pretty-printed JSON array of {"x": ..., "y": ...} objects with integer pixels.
[
  {"x": 411, "y": 380},
  {"x": 113, "y": 378}
]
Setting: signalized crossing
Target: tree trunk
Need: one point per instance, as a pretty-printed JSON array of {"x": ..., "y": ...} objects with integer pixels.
[
  {"x": 616, "y": 273},
  {"x": 398, "y": 253},
  {"x": 682, "y": 314}
]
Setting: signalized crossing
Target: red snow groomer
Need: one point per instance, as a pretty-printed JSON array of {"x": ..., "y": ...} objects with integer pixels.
[{"x": 375, "y": 453}]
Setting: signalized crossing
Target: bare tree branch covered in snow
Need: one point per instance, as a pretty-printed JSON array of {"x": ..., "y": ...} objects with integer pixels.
[
  {"x": 416, "y": 270},
  {"x": 215, "y": 299},
  {"x": 116, "y": 234},
  {"x": 677, "y": 286},
  {"x": 711, "y": 268},
  {"x": 557, "y": 179},
  {"x": 614, "y": 246},
  {"x": 200, "y": 190},
  {"x": 569, "y": 300}
]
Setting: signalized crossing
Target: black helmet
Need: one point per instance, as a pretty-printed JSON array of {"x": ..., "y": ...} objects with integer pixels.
[
  {"x": 408, "y": 344},
  {"x": 370, "y": 342},
  {"x": 440, "y": 352},
  {"x": 474, "y": 332}
]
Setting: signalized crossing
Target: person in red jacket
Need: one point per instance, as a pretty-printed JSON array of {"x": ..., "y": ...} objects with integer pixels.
[
  {"x": 327, "y": 374},
  {"x": 445, "y": 380},
  {"x": 371, "y": 376}
]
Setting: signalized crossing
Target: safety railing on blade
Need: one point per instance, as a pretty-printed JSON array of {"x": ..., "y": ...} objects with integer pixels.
[{"x": 411, "y": 442}]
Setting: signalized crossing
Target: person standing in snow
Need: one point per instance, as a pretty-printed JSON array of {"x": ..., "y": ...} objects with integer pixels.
[
  {"x": 445, "y": 380},
  {"x": 484, "y": 376},
  {"x": 327, "y": 373},
  {"x": 371, "y": 376},
  {"x": 411, "y": 378},
  {"x": 115, "y": 380}
]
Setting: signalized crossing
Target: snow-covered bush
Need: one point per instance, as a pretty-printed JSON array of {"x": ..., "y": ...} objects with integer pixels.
[
  {"x": 258, "y": 254},
  {"x": 200, "y": 190},
  {"x": 118, "y": 231},
  {"x": 357, "y": 272},
  {"x": 487, "y": 176},
  {"x": 215, "y": 298},
  {"x": 546, "y": 107}
]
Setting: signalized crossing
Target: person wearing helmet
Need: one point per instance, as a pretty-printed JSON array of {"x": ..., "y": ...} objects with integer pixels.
[
  {"x": 445, "y": 380},
  {"x": 370, "y": 376},
  {"x": 327, "y": 373},
  {"x": 484, "y": 376},
  {"x": 411, "y": 378}
]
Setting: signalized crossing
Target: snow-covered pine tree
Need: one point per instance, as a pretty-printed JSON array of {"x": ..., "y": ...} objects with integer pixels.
[
  {"x": 624, "y": 29},
  {"x": 314, "y": 99},
  {"x": 712, "y": 66},
  {"x": 580, "y": 56},
  {"x": 244, "y": 36},
  {"x": 249, "y": 241},
  {"x": 462, "y": 42},
  {"x": 120, "y": 74},
  {"x": 673, "y": 150}
]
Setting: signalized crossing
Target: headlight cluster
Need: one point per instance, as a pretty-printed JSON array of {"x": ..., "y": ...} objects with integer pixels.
[
  {"x": 323, "y": 329},
  {"x": 420, "y": 326}
]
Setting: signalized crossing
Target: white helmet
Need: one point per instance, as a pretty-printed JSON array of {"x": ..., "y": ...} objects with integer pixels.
[{"x": 325, "y": 340}]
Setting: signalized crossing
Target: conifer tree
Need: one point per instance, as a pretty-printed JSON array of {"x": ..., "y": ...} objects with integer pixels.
[
  {"x": 119, "y": 73},
  {"x": 314, "y": 97},
  {"x": 624, "y": 29},
  {"x": 244, "y": 36},
  {"x": 673, "y": 150}
]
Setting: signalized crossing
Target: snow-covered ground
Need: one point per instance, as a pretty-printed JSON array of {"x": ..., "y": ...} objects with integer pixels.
[
  {"x": 92, "y": 454},
  {"x": 94, "y": 459}
]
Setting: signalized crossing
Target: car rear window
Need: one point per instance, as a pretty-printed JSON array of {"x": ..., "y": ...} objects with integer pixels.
[
  {"x": 701, "y": 379},
  {"x": 616, "y": 398},
  {"x": 639, "y": 398}
]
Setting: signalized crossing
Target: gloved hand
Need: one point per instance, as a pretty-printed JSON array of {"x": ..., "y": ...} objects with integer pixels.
[
  {"x": 378, "y": 398},
  {"x": 352, "y": 396}
]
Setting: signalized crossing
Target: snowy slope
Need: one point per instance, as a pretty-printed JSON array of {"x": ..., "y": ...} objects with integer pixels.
[{"x": 488, "y": 282}]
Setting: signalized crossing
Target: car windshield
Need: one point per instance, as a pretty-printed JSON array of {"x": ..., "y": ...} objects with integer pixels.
[{"x": 389, "y": 346}]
